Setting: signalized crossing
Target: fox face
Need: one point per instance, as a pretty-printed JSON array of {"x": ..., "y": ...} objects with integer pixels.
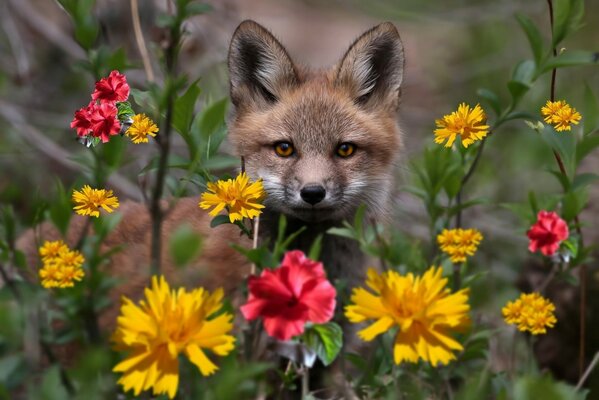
[{"x": 324, "y": 142}]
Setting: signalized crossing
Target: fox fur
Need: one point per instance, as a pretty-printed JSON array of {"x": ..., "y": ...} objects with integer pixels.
[{"x": 355, "y": 101}]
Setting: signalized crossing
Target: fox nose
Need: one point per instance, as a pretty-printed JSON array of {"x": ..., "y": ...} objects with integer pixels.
[{"x": 313, "y": 194}]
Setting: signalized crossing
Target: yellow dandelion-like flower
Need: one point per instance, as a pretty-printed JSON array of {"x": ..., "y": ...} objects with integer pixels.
[
  {"x": 422, "y": 307},
  {"x": 88, "y": 201},
  {"x": 61, "y": 265},
  {"x": 164, "y": 325},
  {"x": 141, "y": 127},
  {"x": 561, "y": 115},
  {"x": 51, "y": 249},
  {"x": 466, "y": 122},
  {"x": 459, "y": 243},
  {"x": 240, "y": 197},
  {"x": 531, "y": 312},
  {"x": 50, "y": 275}
]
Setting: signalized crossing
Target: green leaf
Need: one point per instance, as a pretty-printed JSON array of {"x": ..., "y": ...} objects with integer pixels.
[
  {"x": 590, "y": 111},
  {"x": 51, "y": 387},
  {"x": 197, "y": 8},
  {"x": 61, "y": 209},
  {"x": 521, "y": 81},
  {"x": 124, "y": 111},
  {"x": 543, "y": 387},
  {"x": 316, "y": 248},
  {"x": 573, "y": 58},
  {"x": 573, "y": 203},
  {"x": 326, "y": 340},
  {"x": 587, "y": 145},
  {"x": 212, "y": 117},
  {"x": 219, "y": 220},
  {"x": 343, "y": 232},
  {"x": 184, "y": 109},
  {"x": 260, "y": 256},
  {"x": 106, "y": 224},
  {"x": 185, "y": 245},
  {"x": 567, "y": 17},
  {"x": 534, "y": 37},
  {"x": 583, "y": 180},
  {"x": 491, "y": 98}
]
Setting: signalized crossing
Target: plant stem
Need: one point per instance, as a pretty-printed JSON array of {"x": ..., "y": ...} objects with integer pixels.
[
  {"x": 164, "y": 144},
  {"x": 305, "y": 382},
  {"x": 141, "y": 44},
  {"x": 583, "y": 268}
]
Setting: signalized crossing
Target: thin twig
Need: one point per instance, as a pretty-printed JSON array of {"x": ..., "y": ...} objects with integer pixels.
[
  {"x": 588, "y": 371},
  {"x": 583, "y": 267},
  {"x": 141, "y": 43},
  {"x": 164, "y": 143},
  {"x": 255, "y": 233}
]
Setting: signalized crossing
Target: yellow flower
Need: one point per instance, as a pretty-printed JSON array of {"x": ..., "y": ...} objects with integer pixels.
[
  {"x": 61, "y": 265},
  {"x": 239, "y": 196},
  {"x": 422, "y": 307},
  {"x": 459, "y": 243},
  {"x": 141, "y": 127},
  {"x": 468, "y": 123},
  {"x": 561, "y": 115},
  {"x": 165, "y": 325},
  {"x": 88, "y": 201},
  {"x": 50, "y": 250},
  {"x": 531, "y": 312}
]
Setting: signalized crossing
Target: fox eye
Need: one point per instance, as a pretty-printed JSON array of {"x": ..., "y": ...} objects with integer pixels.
[
  {"x": 284, "y": 149},
  {"x": 346, "y": 149}
]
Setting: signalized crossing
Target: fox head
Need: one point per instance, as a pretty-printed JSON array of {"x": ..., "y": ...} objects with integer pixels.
[{"x": 324, "y": 142}]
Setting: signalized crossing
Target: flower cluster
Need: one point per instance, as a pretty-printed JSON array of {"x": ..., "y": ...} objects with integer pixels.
[
  {"x": 459, "y": 243},
  {"x": 561, "y": 115},
  {"x": 547, "y": 233},
  {"x": 531, "y": 312},
  {"x": 168, "y": 323},
  {"x": 467, "y": 123},
  {"x": 88, "y": 201},
  {"x": 291, "y": 295},
  {"x": 422, "y": 307},
  {"x": 239, "y": 196},
  {"x": 109, "y": 113},
  {"x": 61, "y": 265}
]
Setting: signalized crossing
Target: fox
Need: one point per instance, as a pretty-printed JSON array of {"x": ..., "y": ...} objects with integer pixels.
[{"x": 323, "y": 142}]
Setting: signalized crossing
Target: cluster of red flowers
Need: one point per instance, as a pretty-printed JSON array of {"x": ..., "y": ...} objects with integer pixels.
[
  {"x": 100, "y": 118},
  {"x": 291, "y": 295},
  {"x": 547, "y": 233}
]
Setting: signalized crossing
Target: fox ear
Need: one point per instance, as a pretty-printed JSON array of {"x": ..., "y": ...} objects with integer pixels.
[
  {"x": 260, "y": 69},
  {"x": 372, "y": 68}
]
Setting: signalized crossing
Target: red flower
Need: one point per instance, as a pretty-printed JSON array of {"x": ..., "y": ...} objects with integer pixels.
[
  {"x": 547, "y": 233},
  {"x": 82, "y": 121},
  {"x": 289, "y": 296},
  {"x": 111, "y": 89},
  {"x": 104, "y": 121}
]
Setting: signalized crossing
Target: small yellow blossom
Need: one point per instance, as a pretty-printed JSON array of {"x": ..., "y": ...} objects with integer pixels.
[
  {"x": 51, "y": 249},
  {"x": 459, "y": 243},
  {"x": 531, "y": 312},
  {"x": 561, "y": 115},
  {"x": 467, "y": 123},
  {"x": 61, "y": 265},
  {"x": 240, "y": 197},
  {"x": 164, "y": 325},
  {"x": 141, "y": 127},
  {"x": 88, "y": 201},
  {"x": 423, "y": 308}
]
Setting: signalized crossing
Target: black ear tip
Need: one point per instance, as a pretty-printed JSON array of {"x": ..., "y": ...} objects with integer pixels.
[{"x": 249, "y": 26}]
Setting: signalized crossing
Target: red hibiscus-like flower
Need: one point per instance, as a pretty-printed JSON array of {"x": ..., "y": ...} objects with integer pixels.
[
  {"x": 104, "y": 121},
  {"x": 82, "y": 121},
  {"x": 291, "y": 295},
  {"x": 111, "y": 89},
  {"x": 547, "y": 233}
]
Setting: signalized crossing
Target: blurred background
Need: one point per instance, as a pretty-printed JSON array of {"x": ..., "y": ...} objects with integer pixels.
[{"x": 453, "y": 48}]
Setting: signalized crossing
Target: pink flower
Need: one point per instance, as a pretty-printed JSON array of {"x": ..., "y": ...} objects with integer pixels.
[
  {"x": 104, "y": 121},
  {"x": 111, "y": 89},
  {"x": 547, "y": 233},
  {"x": 82, "y": 120},
  {"x": 291, "y": 295}
]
